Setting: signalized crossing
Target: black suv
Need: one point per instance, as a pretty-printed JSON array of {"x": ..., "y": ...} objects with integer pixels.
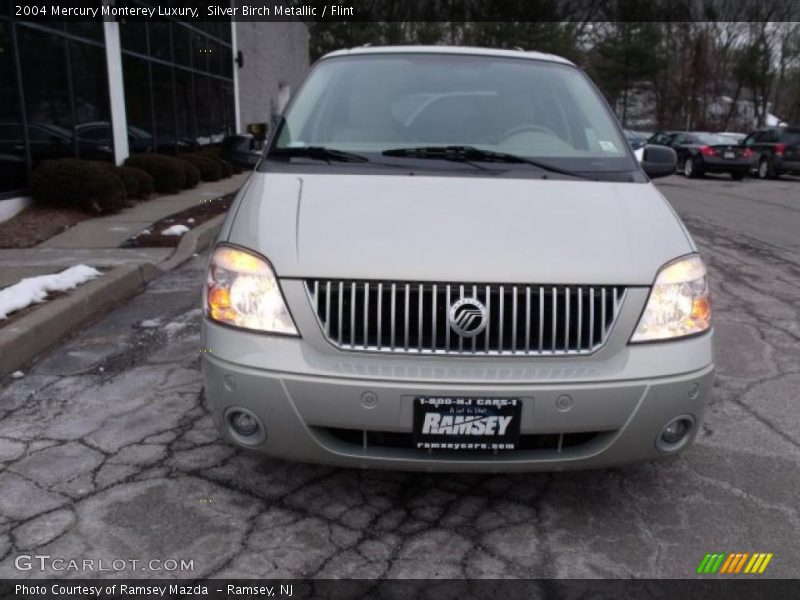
[{"x": 779, "y": 150}]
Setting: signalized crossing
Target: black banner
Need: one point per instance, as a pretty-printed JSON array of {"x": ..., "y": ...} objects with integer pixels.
[
  {"x": 734, "y": 588},
  {"x": 451, "y": 11}
]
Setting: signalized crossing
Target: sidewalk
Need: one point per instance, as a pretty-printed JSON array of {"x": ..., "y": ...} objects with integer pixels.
[{"x": 96, "y": 243}]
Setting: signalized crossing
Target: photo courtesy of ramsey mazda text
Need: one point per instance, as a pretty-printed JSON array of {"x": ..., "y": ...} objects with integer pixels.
[{"x": 450, "y": 259}]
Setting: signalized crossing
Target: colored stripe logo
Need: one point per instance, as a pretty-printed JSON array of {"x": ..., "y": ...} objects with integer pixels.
[{"x": 734, "y": 563}]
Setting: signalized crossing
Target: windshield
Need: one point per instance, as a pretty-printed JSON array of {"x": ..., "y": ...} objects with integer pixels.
[{"x": 372, "y": 103}]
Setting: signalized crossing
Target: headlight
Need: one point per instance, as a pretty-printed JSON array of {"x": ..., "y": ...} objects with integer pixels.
[
  {"x": 242, "y": 290},
  {"x": 678, "y": 304}
]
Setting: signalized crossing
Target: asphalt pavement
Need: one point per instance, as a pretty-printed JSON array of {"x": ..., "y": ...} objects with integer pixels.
[{"x": 107, "y": 453}]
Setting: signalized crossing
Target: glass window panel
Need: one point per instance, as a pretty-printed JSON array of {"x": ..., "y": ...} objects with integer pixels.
[
  {"x": 138, "y": 108},
  {"x": 200, "y": 52},
  {"x": 47, "y": 100},
  {"x": 222, "y": 118},
  {"x": 230, "y": 125},
  {"x": 205, "y": 26},
  {"x": 164, "y": 104},
  {"x": 13, "y": 170},
  {"x": 184, "y": 103},
  {"x": 227, "y": 62},
  {"x": 92, "y": 111},
  {"x": 224, "y": 60},
  {"x": 54, "y": 25},
  {"x": 160, "y": 40},
  {"x": 225, "y": 31},
  {"x": 182, "y": 44},
  {"x": 133, "y": 36},
  {"x": 92, "y": 30},
  {"x": 203, "y": 106},
  {"x": 214, "y": 56},
  {"x": 212, "y": 29}
]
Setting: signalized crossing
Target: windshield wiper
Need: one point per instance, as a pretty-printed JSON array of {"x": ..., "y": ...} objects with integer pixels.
[
  {"x": 317, "y": 153},
  {"x": 473, "y": 153}
]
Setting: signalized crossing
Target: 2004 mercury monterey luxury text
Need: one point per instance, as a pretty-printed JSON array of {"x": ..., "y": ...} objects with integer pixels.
[{"x": 450, "y": 259}]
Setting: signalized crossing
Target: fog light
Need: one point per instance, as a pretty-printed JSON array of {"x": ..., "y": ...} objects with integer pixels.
[
  {"x": 245, "y": 427},
  {"x": 244, "y": 424},
  {"x": 675, "y": 434}
]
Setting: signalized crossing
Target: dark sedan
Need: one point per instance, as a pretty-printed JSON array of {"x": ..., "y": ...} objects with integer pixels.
[{"x": 700, "y": 153}]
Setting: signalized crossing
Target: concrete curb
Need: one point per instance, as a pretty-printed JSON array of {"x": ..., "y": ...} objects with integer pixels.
[
  {"x": 197, "y": 239},
  {"x": 28, "y": 337}
]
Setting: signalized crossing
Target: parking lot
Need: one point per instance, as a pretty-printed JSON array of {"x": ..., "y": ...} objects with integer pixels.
[{"x": 106, "y": 452}]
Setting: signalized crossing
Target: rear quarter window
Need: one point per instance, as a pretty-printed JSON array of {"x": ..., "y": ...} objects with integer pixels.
[{"x": 791, "y": 136}]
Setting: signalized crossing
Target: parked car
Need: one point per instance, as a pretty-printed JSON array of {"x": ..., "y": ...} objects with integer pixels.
[
  {"x": 171, "y": 144},
  {"x": 636, "y": 139},
  {"x": 778, "y": 149},
  {"x": 241, "y": 150},
  {"x": 449, "y": 259},
  {"x": 700, "y": 153},
  {"x": 48, "y": 141},
  {"x": 100, "y": 132},
  {"x": 662, "y": 138}
]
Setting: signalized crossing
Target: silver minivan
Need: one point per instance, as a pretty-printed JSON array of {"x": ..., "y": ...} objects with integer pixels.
[{"x": 449, "y": 259}]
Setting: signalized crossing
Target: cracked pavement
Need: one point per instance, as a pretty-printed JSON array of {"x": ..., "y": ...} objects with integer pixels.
[{"x": 107, "y": 452}]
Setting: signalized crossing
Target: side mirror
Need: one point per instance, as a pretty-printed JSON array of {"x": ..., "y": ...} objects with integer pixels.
[{"x": 657, "y": 161}]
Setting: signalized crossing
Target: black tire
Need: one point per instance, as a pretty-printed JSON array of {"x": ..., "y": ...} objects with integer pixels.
[
  {"x": 737, "y": 176},
  {"x": 691, "y": 169}
]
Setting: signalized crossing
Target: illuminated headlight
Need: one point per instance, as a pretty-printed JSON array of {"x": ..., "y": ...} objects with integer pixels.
[
  {"x": 242, "y": 290},
  {"x": 678, "y": 304}
]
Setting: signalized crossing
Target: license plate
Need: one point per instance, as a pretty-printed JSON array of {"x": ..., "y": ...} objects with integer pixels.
[
  {"x": 460, "y": 423},
  {"x": 729, "y": 155}
]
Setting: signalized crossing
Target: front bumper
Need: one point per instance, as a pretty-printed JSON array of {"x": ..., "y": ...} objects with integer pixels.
[{"x": 322, "y": 405}]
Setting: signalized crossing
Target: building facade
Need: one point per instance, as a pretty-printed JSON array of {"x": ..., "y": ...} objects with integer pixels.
[
  {"x": 266, "y": 80},
  {"x": 104, "y": 90}
]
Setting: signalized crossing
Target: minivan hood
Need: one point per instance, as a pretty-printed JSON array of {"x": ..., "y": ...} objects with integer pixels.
[{"x": 460, "y": 229}]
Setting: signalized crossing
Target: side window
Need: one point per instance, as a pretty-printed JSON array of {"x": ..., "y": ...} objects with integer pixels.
[
  {"x": 95, "y": 133},
  {"x": 37, "y": 134},
  {"x": 750, "y": 139},
  {"x": 770, "y": 137},
  {"x": 661, "y": 139}
]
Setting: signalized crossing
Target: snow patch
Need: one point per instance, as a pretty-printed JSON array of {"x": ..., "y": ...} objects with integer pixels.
[
  {"x": 18, "y": 375},
  {"x": 33, "y": 290},
  {"x": 150, "y": 323},
  {"x": 173, "y": 328},
  {"x": 175, "y": 230}
]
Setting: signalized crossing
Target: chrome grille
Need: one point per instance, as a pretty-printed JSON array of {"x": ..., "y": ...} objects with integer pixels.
[{"x": 406, "y": 317}]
